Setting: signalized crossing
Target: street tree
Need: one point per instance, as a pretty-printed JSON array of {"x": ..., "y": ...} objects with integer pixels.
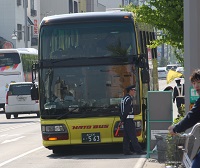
[{"x": 167, "y": 18}]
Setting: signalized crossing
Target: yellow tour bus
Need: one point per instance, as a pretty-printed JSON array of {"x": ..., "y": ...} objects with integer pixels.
[{"x": 86, "y": 60}]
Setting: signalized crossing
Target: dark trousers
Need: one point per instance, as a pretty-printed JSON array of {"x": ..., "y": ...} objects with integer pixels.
[
  {"x": 130, "y": 136},
  {"x": 179, "y": 101}
]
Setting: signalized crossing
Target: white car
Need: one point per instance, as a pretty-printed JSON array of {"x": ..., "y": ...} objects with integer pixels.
[
  {"x": 162, "y": 72},
  {"x": 172, "y": 67},
  {"x": 180, "y": 69},
  {"x": 18, "y": 100}
]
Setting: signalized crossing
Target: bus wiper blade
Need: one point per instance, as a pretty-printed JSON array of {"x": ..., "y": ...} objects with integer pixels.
[
  {"x": 60, "y": 60},
  {"x": 63, "y": 115},
  {"x": 68, "y": 112}
]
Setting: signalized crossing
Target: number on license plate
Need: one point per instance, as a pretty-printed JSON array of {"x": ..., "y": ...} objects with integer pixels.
[{"x": 91, "y": 137}]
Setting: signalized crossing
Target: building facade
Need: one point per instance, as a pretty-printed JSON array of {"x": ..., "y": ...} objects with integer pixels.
[
  {"x": 20, "y": 19},
  {"x": 19, "y": 23}
]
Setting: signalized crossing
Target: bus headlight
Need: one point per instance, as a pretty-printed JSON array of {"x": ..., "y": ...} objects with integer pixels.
[
  {"x": 138, "y": 124},
  {"x": 54, "y": 132},
  {"x": 53, "y": 128}
]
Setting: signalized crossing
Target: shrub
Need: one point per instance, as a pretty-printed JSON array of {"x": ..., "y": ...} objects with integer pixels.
[{"x": 175, "y": 143}]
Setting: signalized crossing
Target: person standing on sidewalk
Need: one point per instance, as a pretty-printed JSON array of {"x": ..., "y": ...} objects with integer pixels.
[
  {"x": 178, "y": 93},
  {"x": 192, "y": 117},
  {"x": 129, "y": 124}
]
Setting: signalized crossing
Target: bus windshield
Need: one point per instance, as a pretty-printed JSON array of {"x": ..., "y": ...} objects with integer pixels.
[
  {"x": 9, "y": 59},
  {"x": 88, "y": 40},
  {"x": 75, "y": 90}
]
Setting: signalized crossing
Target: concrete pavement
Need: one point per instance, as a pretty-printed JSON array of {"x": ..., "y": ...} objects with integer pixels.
[{"x": 153, "y": 164}]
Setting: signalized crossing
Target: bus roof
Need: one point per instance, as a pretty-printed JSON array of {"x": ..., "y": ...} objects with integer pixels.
[
  {"x": 20, "y": 50},
  {"x": 87, "y": 17}
]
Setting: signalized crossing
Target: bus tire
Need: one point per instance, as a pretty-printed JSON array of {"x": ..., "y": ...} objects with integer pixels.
[
  {"x": 8, "y": 116},
  {"x": 38, "y": 114},
  {"x": 15, "y": 115}
]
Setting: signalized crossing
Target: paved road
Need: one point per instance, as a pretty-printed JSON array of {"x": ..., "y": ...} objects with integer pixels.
[{"x": 21, "y": 147}]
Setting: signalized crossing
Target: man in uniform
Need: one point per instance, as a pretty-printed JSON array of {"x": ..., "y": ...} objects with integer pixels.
[
  {"x": 129, "y": 124},
  {"x": 178, "y": 93}
]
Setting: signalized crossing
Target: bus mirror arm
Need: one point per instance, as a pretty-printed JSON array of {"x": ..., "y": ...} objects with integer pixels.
[
  {"x": 141, "y": 61},
  {"x": 34, "y": 88},
  {"x": 145, "y": 75},
  {"x": 144, "y": 104}
]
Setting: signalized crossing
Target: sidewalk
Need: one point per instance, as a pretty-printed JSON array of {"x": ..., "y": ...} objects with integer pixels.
[{"x": 152, "y": 164}]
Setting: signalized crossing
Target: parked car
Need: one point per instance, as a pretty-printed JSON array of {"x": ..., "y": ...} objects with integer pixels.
[
  {"x": 162, "y": 72},
  {"x": 18, "y": 100},
  {"x": 172, "y": 67},
  {"x": 180, "y": 69}
]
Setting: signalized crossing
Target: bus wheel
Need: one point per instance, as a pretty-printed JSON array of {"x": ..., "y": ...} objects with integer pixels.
[
  {"x": 8, "y": 116},
  {"x": 15, "y": 115},
  {"x": 38, "y": 114}
]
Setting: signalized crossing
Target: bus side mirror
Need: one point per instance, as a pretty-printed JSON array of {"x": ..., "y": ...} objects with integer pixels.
[
  {"x": 34, "y": 92},
  {"x": 145, "y": 75},
  {"x": 144, "y": 107},
  {"x": 136, "y": 109},
  {"x": 34, "y": 71}
]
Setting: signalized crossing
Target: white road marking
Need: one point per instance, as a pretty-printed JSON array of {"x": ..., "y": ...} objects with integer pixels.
[
  {"x": 16, "y": 126},
  {"x": 12, "y": 140},
  {"x": 20, "y": 156}
]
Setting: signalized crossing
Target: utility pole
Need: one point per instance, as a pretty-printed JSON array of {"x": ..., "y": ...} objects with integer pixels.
[{"x": 25, "y": 24}]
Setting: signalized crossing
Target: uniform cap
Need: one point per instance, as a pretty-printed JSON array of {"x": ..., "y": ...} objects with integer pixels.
[
  {"x": 130, "y": 87},
  {"x": 178, "y": 79}
]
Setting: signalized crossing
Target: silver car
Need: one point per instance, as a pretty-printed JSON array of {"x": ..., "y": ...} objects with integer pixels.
[
  {"x": 18, "y": 100},
  {"x": 162, "y": 72}
]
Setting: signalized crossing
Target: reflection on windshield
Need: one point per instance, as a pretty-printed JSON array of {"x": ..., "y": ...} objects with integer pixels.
[
  {"x": 75, "y": 90},
  {"x": 88, "y": 40}
]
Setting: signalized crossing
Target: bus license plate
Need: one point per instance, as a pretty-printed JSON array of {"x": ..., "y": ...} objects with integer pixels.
[{"x": 91, "y": 137}]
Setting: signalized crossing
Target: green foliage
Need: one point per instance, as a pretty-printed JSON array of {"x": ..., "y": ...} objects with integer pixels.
[
  {"x": 179, "y": 56},
  {"x": 174, "y": 151},
  {"x": 167, "y": 17},
  {"x": 116, "y": 49},
  {"x": 181, "y": 111},
  {"x": 181, "y": 114},
  {"x": 174, "y": 143}
]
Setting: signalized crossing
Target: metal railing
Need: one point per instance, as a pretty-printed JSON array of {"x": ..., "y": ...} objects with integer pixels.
[{"x": 192, "y": 145}]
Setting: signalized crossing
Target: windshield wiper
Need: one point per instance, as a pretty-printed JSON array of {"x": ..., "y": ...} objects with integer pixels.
[
  {"x": 65, "y": 59},
  {"x": 68, "y": 112}
]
